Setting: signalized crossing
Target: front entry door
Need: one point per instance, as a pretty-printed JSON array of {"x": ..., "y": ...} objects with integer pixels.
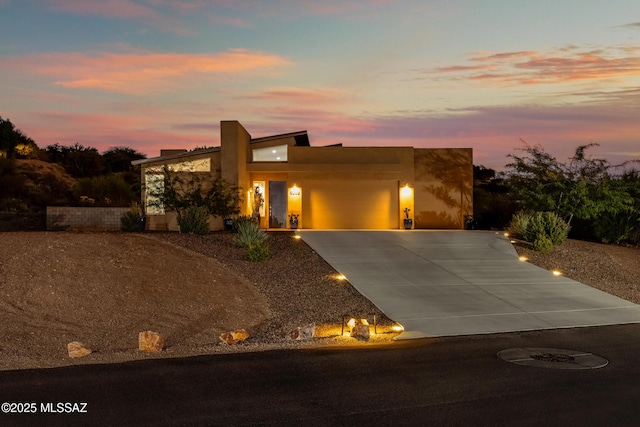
[{"x": 277, "y": 204}]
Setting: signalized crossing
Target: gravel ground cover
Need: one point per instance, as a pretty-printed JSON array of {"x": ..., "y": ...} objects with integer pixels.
[{"x": 104, "y": 288}]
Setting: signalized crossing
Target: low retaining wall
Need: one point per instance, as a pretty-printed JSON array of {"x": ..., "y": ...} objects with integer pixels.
[{"x": 84, "y": 219}]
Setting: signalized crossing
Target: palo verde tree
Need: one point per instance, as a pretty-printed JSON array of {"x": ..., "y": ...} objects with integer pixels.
[
  {"x": 193, "y": 196},
  {"x": 584, "y": 188}
]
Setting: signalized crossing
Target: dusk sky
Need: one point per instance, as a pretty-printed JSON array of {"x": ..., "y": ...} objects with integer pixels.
[{"x": 151, "y": 74}]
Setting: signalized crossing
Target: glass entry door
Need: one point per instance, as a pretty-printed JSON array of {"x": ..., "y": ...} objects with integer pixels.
[{"x": 277, "y": 204}]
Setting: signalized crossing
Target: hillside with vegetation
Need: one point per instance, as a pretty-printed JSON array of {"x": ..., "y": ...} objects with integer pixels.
[{"x": 32, "y": 178}]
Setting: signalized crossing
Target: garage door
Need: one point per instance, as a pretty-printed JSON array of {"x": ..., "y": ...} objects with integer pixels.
[{"x": 350, "y": 204}]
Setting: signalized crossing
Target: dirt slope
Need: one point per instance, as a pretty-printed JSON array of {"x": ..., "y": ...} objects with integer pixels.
[{"x": 102, "y": 289}]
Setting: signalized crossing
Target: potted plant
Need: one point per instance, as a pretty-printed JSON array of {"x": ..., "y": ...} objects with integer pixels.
[
  {"x": 408, "y": 222},
  {"x": 293, "y": 221}
]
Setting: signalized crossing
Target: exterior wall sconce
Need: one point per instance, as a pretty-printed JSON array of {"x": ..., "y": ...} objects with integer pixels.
[
  {"x": 406, "y": 191},
  {"x": 294, "y": 191}
]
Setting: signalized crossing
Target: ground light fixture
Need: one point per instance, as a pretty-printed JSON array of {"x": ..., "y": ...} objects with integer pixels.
[
  {"x": 397, "y": 327},
  {"x": 556, "y": 273},
  {"x": 297, "y": 236},
  {"x": 523, "y": 258},
  {"x": 340, "y": 277}
]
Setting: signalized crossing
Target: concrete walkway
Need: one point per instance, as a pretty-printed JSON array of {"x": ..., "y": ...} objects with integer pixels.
[{"x": 441, "y": 283}]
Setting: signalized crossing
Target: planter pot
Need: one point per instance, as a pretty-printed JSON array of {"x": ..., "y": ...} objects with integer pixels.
[
  {"x": 408, "y": 224},
  {"x": 293, "y": 224}
]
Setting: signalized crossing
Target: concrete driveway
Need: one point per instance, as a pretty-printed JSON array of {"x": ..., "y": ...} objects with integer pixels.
[{"x": 442, "y": 283}]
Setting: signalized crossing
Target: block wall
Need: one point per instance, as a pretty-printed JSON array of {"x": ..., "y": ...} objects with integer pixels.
[{"x": 84, "y": 218}]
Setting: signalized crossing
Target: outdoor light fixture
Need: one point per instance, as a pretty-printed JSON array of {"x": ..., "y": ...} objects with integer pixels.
[
  {"x": 294, "y": 191},
  {"x": 557, "y": 273},
  {"x": 397, "y": 328},
  {"x": 405, "y": 192},
  {"x": 506, "y": 234},
  {"x": 523, "y": 258},
  {"x": 340, "y": 277},
  {"x": 297, "y": 236}
]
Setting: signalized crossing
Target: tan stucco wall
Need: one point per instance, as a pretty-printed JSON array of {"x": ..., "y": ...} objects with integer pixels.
[{"x": 443, "y": 187}]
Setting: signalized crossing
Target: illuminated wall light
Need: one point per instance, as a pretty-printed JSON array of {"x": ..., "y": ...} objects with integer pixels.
[
  {"x": 557, "y": 273},
  {"x": 405, "y": 192},
  {"x": 294, "y": 191},
  {"x": 397, "y": 328},
  {"x": 523, "y": 258}
]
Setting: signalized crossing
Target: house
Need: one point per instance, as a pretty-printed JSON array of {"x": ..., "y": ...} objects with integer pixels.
[{"x": 330, "y": 187}]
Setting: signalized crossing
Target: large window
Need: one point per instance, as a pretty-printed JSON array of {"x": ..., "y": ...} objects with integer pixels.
[
  {"x": 154, "y": 185},
  {"x": 270, "y": 154}
]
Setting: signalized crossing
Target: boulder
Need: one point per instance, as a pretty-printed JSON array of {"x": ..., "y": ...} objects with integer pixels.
[
  {"x": 303, "y": 332},
  {"x": 77, "y": 349},
  {"x": 360, "y": 331},
  {"x": 150, "y": 341},
  {"x": 234, "y": 337}
]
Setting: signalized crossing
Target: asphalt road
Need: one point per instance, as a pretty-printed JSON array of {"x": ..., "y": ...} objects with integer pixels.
[{"x": 441, "y": 381}]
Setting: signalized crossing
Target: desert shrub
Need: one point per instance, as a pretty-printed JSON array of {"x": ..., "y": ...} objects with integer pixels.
[
  {"x": 240, "y": 221},
  {"x": 542, "y": 244},
  {"x": 106, "y": 190},
  {"x": 548, "y": 224},
  {"x": 519, "y": 223},
  {"x": 194, "y": 220},
  {"x": 258, "y": 252},
  {"x": 130, "y": 221},
  {"x": 616, "y": 227},
  {"x": 249, "y": 233}
]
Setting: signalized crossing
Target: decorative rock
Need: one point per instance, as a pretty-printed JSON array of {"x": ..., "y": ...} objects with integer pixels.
[
  {"x": 150, "y": 341},
  {"x": 77, "y": 349},
  {"x": 234, "y": 337},
  {"x": 360, "y": 331},
  {"x": 303, "y": 332}
]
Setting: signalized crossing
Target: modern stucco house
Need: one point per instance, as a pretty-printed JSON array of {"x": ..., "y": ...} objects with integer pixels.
[{"x": 331, "y": 187}]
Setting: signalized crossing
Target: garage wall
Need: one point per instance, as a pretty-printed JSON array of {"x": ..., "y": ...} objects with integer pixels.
[{"x": 350, "y": 204}]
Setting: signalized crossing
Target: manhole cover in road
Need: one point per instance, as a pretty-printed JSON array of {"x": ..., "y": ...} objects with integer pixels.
[{"x": 553, "y": 358}]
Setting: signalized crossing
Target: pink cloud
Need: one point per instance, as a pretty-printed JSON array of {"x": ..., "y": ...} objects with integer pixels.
[
  {"x": 139, "y": 72},
  {"x": 566, "y": 64}
]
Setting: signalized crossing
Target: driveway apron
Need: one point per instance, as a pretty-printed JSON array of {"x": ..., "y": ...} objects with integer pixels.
[{"x": 444, "y": 283}]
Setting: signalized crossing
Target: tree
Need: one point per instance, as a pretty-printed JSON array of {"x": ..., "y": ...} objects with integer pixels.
[
  {"x": 493, "y": 206},
  {"x": 79, "y": 161},
  {"x": 14, "y": 143},
  {"x": 118, "y": 159},
  {"x": 185, "y": 192},
  {"x": 577, "y": 189},
  {"x": 585, "y": 188}
]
